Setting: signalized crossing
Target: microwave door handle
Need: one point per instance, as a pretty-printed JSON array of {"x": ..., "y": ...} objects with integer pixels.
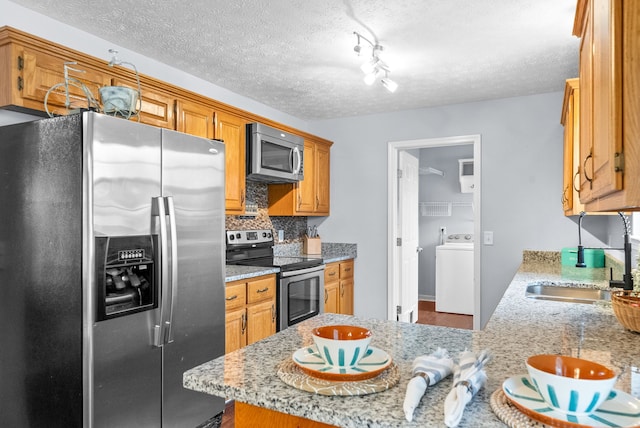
[
  {"x": 297, "y": 157},
  {"x": 173, "y": 265},
  {"x": 158, "y": 210}
]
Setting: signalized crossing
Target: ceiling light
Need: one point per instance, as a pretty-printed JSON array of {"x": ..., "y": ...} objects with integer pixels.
[
  {"x": 374, "y": 66},
  {"x": 369, "y": 66},
  {"x": 389, "y": 84},
  {"x": 369, "y": 78}
]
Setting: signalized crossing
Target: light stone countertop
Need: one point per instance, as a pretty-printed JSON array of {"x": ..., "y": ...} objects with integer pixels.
[
  {"x": 331, "y": 252},
  {"x": 519, "y": 327}
]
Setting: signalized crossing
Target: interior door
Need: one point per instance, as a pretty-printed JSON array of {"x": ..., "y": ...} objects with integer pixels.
[{"x": 409, "y": 249}]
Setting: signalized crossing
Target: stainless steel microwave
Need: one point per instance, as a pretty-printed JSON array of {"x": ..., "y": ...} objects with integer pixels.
[{"x": 273, "y": 156}]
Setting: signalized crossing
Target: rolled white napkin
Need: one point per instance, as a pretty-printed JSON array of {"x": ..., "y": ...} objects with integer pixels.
[
  {"x": 468, "y": 377},
  {"x": 427, "y": 371}
]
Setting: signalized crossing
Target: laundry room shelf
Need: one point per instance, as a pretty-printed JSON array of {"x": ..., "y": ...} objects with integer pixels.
[{"x": 441, "y": 209}]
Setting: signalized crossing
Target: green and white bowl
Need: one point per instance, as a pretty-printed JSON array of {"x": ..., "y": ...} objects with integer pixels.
[
  {"x": 341, "y": 345},
  {"x": 571, "y": 385}
]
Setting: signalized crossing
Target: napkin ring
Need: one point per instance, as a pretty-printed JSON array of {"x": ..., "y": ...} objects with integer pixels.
[
  {"x": 424, "y": 376},
  {"x": 466, "y": 383}
]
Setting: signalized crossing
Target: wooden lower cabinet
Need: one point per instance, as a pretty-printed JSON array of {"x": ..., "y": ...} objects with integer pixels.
[
  {"x": 338, "y": 287},
  {"x": 250, "y": 416},
  {"x": 250, "y": 311}
]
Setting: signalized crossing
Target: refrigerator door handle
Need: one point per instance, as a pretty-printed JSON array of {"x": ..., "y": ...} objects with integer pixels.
[
  {"x": 171, "y": 212},
  {"x": 158, "y": 209}
]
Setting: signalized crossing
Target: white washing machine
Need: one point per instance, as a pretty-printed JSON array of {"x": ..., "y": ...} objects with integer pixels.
[{"x": 454, "y": 274}]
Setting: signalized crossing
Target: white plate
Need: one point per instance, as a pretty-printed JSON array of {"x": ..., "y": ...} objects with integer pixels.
[
  {"x": 619, "y": 409},
  {"x": 374, "y": 362}
]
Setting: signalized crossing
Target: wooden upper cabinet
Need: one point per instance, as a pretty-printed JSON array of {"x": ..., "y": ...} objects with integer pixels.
[
  {"x": 195, "y": 119},
  {"x": 570, "y": 119},
  {"x": 232, "y": 130},
  {"x": 157, "y": 108},
  {"x": 311, "y": 196},
  {"x": 609, "y": 105},
  {"x": 30, "y": 66},
  {"x": 323, "y": 178},
  {"x": 39, "y": 71},
  {"x": 306, "y": 189}
]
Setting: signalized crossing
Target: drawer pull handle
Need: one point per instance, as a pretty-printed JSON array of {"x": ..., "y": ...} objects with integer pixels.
[
  {"x": 262, "y": 290},
  {"x": 234, "y": 297},
  {"x": 332, "y": 274},
  {"x": 347, "y": 269}
]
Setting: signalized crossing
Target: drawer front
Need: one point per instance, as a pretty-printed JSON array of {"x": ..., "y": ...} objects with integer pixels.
[
  {"x": 235, "y": 295},
  {"x": 331, "y": 272},
  {"x": 261, "y": 289},
  {"x": 346, "y": 269}
]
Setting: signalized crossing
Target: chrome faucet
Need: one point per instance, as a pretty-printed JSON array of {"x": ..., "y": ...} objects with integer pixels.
[{"x": 627, "y": 279}]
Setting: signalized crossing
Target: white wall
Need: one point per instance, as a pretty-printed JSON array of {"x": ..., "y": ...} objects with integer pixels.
[{"x": 521, "y": 187}]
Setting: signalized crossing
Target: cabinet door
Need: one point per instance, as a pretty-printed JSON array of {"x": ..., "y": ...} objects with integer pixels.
[
  {"x": 194, "y": 119},
  {"x": 607, "y": 96},
  {"x": 41, "y": 71},
  {"x": 571, "y": 121},
  {"x": 346, "y": 296},
  {"x": 235, "y": 330},
  {"x": 261, "y": 289},
  {"x": 306, "y": 189},
  {"x": 331, "y": 297},
  {"x": 231, "y": 129},
  {"x": 157, "y": 108},
  {"x": 235, "y": 295},
  {"x": 346, "y": 269},
  {"x": 586, "y": 100},
  {"x": 261, "y": 321},
  {"x": 602, "y": 48},
  {"x": 323, "y": 181}
]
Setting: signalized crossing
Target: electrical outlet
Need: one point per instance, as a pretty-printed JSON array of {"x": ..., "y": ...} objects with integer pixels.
[{"x": 488, "y": 237}]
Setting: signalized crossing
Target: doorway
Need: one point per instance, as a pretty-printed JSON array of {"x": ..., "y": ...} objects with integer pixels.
[{"x": 395, "y": 263}]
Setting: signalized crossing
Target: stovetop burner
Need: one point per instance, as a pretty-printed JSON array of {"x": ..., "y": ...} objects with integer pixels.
[{"x": 255, "y": 248}]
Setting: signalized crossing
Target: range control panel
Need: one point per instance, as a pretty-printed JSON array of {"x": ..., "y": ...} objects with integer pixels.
[{"x": 249, "y": 236}]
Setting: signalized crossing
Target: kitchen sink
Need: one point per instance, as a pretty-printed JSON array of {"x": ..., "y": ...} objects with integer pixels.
[{"x": 565, "y": 293}]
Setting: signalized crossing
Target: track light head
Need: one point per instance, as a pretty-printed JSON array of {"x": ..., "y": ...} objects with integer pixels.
[
  {"x": 374, "y": 66},
  {"x": 389, "y": 84}
]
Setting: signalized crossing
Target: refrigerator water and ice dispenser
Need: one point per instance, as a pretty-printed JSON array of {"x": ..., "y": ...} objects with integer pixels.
[{"x": 126, "y": 282}]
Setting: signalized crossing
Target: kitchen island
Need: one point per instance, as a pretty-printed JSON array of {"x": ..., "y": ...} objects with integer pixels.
[{"x": 519, "y": 327}]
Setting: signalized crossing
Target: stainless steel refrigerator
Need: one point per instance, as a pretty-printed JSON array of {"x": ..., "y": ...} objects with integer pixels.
[{"x": 111, "y": 273}]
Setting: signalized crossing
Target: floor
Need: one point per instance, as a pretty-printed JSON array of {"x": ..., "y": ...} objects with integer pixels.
[{"x": 426, "y": 315}]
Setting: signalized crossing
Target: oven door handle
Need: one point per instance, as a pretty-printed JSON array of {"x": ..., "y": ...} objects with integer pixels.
[{"x": 301, "y": 271}]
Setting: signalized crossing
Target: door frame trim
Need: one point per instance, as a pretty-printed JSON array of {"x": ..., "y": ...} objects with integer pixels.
[{"x": 393, "y": 263}]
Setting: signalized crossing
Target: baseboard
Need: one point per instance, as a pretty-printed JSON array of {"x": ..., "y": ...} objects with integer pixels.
[{"x": 427, "y": 297}]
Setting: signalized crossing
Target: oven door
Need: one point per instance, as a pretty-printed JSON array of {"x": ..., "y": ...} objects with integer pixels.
[{"x": 300, "y": 296}]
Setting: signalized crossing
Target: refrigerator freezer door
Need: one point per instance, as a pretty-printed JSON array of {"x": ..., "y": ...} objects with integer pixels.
[
  {"x": 41, "y": 377},
  {"x": 125, "y": 172},
  {"x": 193, "y": 177}
]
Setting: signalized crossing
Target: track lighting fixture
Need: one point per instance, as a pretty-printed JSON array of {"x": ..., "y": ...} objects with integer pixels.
[{"x": 373, "y": 67}]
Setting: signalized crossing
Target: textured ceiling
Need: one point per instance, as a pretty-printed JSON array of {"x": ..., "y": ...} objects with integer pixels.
[{"x": 297, "y": 55}]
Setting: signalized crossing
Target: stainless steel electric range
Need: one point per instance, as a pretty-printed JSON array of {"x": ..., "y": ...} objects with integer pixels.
[{"x": 300, "y": 292}]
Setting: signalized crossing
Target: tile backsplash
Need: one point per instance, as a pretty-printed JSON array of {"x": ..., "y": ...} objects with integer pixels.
[{"x": 294, "y": 227}]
